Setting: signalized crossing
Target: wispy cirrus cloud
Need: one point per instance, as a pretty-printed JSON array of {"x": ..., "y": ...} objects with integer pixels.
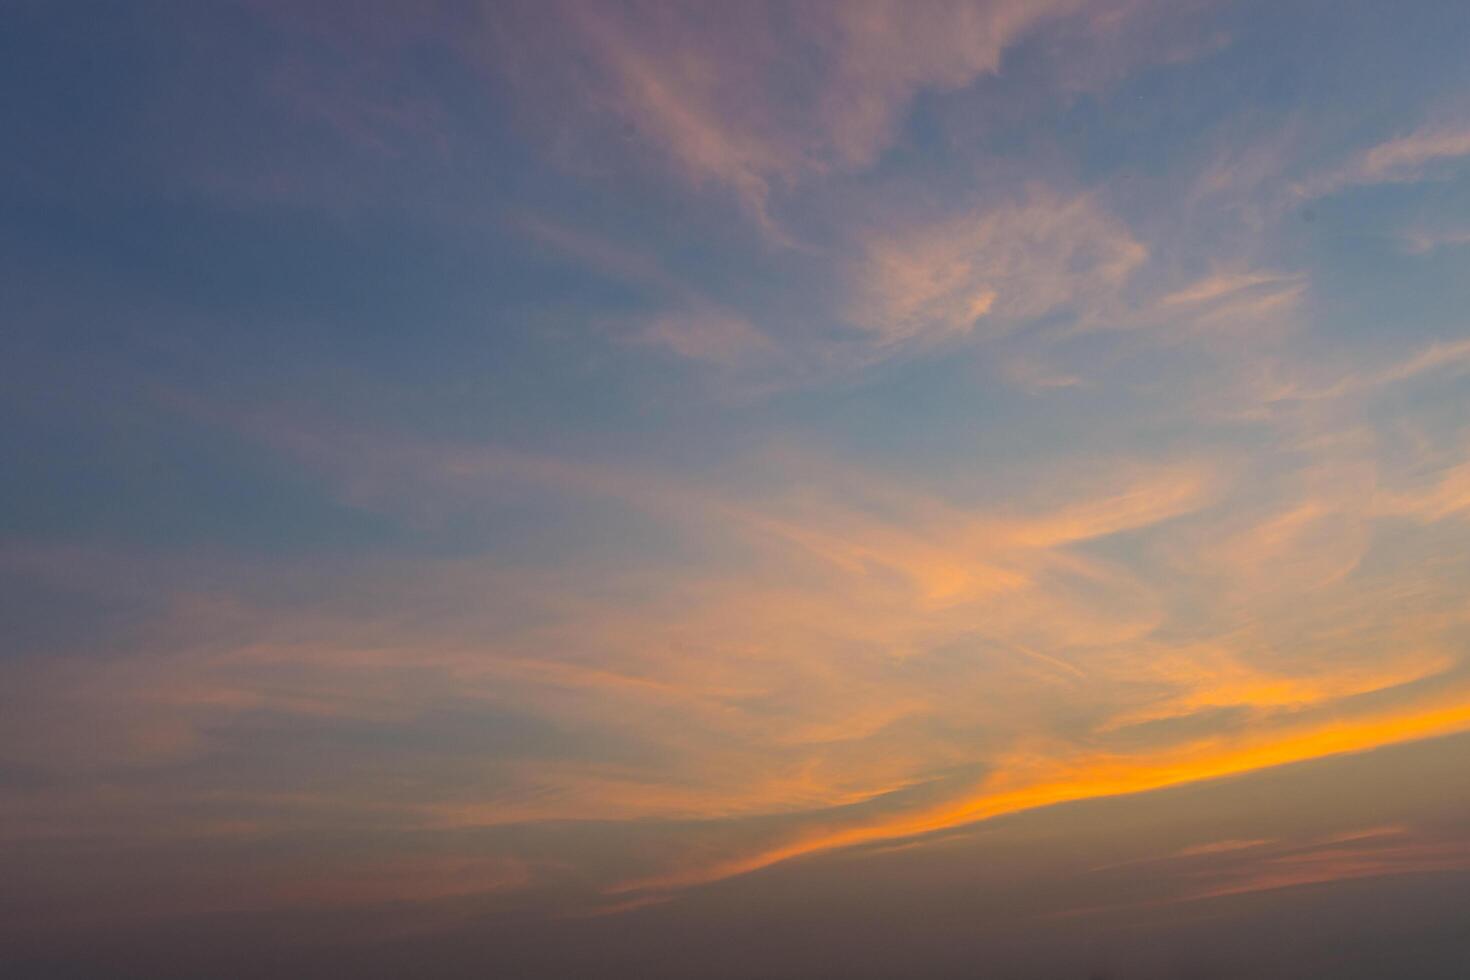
[
  {"x": 1403, "y": 159},
  {"x": 840, "y": 649},
  {"x": 1422, "y": 241},
  {"x": 1370, "y": 853},
  {"x": 999, "y": 265},
  {"x": 757, "y": 97},
  {"x": 685, "y": 322}
]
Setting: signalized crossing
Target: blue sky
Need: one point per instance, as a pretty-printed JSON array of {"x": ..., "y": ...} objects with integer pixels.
[{"x": 589, "y": 462}]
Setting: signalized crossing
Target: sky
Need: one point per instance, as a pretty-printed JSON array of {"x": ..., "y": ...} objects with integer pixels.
[{"x": 823, "y": 488}]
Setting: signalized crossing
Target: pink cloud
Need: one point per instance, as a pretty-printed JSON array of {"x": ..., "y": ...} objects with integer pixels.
[
  {"x": 1404, "y": 159},
  {"x": 752, "y": 96}
]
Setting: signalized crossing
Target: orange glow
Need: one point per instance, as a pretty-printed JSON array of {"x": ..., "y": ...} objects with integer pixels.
[{"x": 1029, "y": 783}]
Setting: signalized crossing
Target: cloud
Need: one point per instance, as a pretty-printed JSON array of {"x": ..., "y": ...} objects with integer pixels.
[
  {"x": 711, "y": 337},
  {"x": 1452, "y": 355},
  {"x": 1321, "y": 380},
  {"x": 757, "y": 96},
  {"x": 1029, "y": 780},
  {"x": 1404, "y": 159},
  {"x": 857, "y": 655},
  {"x": 687, "y": 323},
  {"x": 1370, "y": 853},
  {"x": 1424, "y": 241},
  {"x": 1213, "y": 679},
  {"x": 850, "y": 636},
  {"x": 1447, "y": 495},
  {"x": 1227, "y": 286},
  {"x": 992, "y": 267}
]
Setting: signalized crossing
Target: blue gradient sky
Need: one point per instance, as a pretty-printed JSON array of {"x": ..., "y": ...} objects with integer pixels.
[{"x": 595, "y": 470}]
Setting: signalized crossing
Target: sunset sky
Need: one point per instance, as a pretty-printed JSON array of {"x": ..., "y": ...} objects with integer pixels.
[{"x": 848, "y": 488}]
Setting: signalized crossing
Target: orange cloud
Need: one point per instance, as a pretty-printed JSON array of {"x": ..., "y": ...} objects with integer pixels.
[
  {"x": 1030, "y": 780},
  {"x": 849, "y": 641}
]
